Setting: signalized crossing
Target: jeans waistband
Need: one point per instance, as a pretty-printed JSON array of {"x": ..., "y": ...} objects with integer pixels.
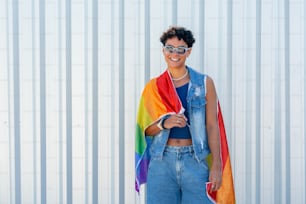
[{"x": 179, "y": 149}]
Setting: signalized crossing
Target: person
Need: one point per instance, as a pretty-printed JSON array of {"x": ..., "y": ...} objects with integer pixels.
[{"x": 177, "y": 128}]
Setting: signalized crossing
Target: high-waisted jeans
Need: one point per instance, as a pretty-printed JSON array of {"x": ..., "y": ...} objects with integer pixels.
[{"x": 178, "y": 178}]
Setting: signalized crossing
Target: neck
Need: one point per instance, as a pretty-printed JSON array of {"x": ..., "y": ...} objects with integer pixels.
[{"x": 178, "y": 74}]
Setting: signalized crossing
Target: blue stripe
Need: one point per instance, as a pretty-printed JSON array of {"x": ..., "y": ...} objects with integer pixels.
[
  {"x": 258, "y": 101},
  {"x": 69, "y": 173},
  {"x": 95, "y": 107},
  {"x": 16, "y": 62},
  {"x": 121, "y": 104},
  {"x": 42, "y": 42},
  {"x": 287, "y": 100}
]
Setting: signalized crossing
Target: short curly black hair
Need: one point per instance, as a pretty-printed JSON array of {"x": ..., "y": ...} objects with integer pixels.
[{"x": 180, "y": 33}]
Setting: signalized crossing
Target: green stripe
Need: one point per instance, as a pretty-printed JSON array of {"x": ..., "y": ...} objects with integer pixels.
[{"x": 140, "y": 142}]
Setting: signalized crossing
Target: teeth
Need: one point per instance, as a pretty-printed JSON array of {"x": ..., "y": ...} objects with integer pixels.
[{"x": 174, "y": 59}]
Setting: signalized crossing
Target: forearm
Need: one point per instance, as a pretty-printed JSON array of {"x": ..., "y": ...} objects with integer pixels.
[
  {"x": 214, "y": 144},
  {"x": 152, "y": 129}
]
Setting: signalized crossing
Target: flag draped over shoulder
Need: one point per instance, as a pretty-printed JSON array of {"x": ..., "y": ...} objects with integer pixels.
[{"x": 158, "y": 99}]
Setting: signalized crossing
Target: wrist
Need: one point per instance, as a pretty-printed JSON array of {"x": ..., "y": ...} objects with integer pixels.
[
  {"x": 216, "y": 162},
  {"x": 161, "y": 123}
]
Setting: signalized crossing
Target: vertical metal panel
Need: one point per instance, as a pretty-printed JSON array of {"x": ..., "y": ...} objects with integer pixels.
[
  {"x": 258, "y": 102},
  {"x": 69, "y": 171},
  {"x": 95, "y": 101},
  {"x": 202, "y": 34},
  {"x": 287, "y": 101},
  {"x": 121, "y": 103},
  {"x": 34, "y": 104},
  {"x": 174, "y": 12},
  {"x": 147, "y": 41},
  {"x": 304, "y": 129},
  {"x": 16, "y": 65},
  {"x": 113, "y": 99},
  {"x": 42, "y": 56},
  {"x": 86, "y": 104},
  {"x": 229, "y": 66},
  {"x": 249, "y": 104},
  {"x": 60, "y": 107},
  {"x": 277, "y": 116},
  {"x": 9, "y": 89}
]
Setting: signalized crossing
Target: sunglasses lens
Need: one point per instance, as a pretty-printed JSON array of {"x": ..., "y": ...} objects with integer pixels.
[
  {"x": 169, "y": 49},
  {"x": 178, "y": 50}
]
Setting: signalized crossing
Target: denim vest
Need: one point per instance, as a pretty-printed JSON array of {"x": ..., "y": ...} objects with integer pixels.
[{"x": 196, "y": 101}]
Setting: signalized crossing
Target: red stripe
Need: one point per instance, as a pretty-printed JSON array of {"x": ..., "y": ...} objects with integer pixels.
[
  {"x": 223, "y": 141},
  {"x": 168, "y": 93}
]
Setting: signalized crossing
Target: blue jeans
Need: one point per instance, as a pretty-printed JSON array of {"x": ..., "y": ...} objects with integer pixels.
[{"x": 178, "y": 178}]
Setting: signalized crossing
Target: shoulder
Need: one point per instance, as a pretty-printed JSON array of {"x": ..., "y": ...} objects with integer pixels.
[
  {"x": 209, "y": 80},
  {"x": 210, "y": 86}
]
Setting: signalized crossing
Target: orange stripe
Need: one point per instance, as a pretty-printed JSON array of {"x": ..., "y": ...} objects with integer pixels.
[
  {"x": 152, "y": 101},
  {"x": 226, "y": 194}
]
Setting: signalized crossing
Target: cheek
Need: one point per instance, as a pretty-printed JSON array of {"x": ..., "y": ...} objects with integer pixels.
[{"x": 166, "y": 56}]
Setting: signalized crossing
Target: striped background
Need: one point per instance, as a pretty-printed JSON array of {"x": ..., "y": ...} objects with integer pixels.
[{"x": 71, "y": 73}]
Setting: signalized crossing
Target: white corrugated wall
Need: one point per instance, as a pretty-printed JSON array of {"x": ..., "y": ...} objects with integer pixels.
[{"x": 71, "y": 73}]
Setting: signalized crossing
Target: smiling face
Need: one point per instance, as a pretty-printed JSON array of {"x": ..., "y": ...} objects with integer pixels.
[{"x": 175, "y": 60}]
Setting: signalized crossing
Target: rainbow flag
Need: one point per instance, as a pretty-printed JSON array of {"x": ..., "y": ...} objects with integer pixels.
[
  {"x": 226, "y": 193},
  {"x": 158, "y": 99}
]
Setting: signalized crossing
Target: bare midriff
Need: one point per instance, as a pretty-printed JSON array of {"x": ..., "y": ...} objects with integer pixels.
[{"x": 179, "y": 142}]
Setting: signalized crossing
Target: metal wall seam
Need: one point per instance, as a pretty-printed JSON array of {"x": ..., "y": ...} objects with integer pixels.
[
  {"x": 287, "y": 100},
  {"x": 121, "y": 102},
  {"x": 69, "y": 158},
  {"x": 277, "y": 115},
  {"x": 258, "y": 102},
  {"x": 95, "y": 103},
  {"x": 16, "y": 89},
  {"x": 86, "y": 102}
]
